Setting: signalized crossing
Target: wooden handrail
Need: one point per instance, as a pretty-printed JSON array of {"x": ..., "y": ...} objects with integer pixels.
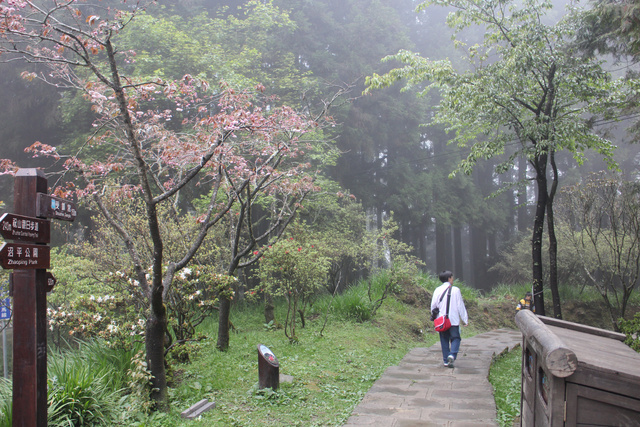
[{"x": 559, "y": 360}]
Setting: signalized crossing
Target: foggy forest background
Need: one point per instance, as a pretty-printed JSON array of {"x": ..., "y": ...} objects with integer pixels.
[{"x": 301, "y": 50}]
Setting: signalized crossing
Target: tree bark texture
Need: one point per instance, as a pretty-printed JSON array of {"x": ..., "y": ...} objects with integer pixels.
[
  {"x": 156, "y": 329},
  {"x": 523, "y": 210},
  {"x": 540, "y": 165},
  {"x": 457, "y": 251},
  {"x": 441, "y": 258},
  {"x": 422, "y": 231},
  {"x": 223, "y": 324},
  {"x": 479, "y": 257},
  {"x": 553, "y": 243},
  {"x": 269, "y": 308}
]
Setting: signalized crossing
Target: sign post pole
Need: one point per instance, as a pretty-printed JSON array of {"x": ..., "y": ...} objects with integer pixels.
[
  {"x": 5, "y": 314},
  {"x": 29, "y": 318},
  {"x": 31, "y": 281},
  {"x": 4, "y": 349}
]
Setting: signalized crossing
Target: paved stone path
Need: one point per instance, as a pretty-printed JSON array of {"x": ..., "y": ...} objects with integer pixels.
[{"x": 420, "y": 391}]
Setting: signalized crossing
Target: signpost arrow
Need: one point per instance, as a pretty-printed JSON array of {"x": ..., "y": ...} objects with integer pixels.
[
  {"x": 24, "y": 228},
  {"x": 23, "y": 256},
  {"x": 51, "y": 281},
  {"x": 55, "y": 207}
]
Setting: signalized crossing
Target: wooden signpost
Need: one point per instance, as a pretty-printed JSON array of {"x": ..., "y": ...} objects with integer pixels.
[
  {"x": 31, "y": 282},
  {"x": 54, "y": 207},
  {"x": 24, "y": 256},
  {"x": 24, "y": 228}
]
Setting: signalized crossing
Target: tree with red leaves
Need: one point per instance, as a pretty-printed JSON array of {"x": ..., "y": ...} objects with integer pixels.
[{"x": 153, "y": 138}]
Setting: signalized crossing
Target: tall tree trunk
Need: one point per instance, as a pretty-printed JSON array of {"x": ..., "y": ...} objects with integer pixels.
[
  {"x": 269, "y": 308},
  {"x": 553, "y": 242},
  {"x": 422, "y": 231},
  {"x": 511, "y": 215},
  {"x": 523, "y": 210},
  {"x": 441, "y": 250},
  {"x": 540, "y": 166},
  {"x": 492, "y": 246},
  {"x": 379, "y": 212},
  {"x": 156, "y": 326},
  {"x": 223, "y": 324},
  {"x": 156, "y": 329},
  {"x": 479, "y": 257},
  {"x": 457, "y": 252}
]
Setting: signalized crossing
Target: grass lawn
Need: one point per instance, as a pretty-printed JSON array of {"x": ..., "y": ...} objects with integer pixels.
[
  {"x": 505, "y": 378},
  {"x": 331, "y": 373},
  {"x": 329, "y": 369}
]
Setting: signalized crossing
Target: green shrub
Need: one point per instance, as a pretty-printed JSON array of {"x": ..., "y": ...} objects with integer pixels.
[
  {"x": 514, "y": 263},
  {"x": 568, "y": 292},
  {"x": 74, "y": 277},
  {"x": 360, "y": 301},
  {"x": 138, "y": 402},
  {"x": 107, "y": 358},
  {"x": 431, "y": 282},
  {"x": 631, "y": 328},
  {"x": 112, "y": 318},
  {"x": 428, "y": 282},
  {"x": 295, "y": 269},
  {"x": 353, "y": 304},
  {"x": 584, "y": 292},
  {"x": 469, "y": 295},
  {"x": 380, "y": 282},
  {"x": 78, "y": 394},
  {"x": 6, "y": 398},
  {"x": 504, "y": 375},
  {"x": 98, "y": 384},
  {"x": 503, "y": 290},
  {"x": 193, "y": 296}
]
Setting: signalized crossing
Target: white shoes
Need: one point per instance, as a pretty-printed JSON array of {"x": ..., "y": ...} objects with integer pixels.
[{"x": 450, "y": 360}]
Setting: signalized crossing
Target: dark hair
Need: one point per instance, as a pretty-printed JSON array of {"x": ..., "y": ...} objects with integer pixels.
[
  {"x": 528, "y": 294},
  {"x": 445, "y": 275}
]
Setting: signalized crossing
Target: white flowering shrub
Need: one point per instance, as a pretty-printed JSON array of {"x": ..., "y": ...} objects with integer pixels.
[
  {"x": 139, "y": 385},
  {"x": 96, "y": 316},
  {"x": 192, "y": 297}
]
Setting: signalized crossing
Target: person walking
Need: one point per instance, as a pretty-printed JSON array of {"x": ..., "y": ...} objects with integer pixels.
[{"x": 449, "y": 295}]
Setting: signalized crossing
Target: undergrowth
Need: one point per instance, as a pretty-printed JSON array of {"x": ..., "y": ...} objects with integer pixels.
[
  {"x": 504, "y": 375},
  {"x": 6, "y": 390},
  {"x": 327, "y": 372}
]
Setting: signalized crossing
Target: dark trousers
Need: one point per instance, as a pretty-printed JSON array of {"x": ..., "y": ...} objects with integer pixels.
[{"x": 452, "y": 336}]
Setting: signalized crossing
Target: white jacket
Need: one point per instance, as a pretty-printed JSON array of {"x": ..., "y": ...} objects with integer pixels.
[{"x": 457, "y": 310}]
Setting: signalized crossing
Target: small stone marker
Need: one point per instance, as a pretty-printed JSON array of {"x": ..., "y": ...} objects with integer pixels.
[
  {"x": 268, "y": 369},
  {"x": 286, "y": 379},
  {"x": 198, "y": 409}
]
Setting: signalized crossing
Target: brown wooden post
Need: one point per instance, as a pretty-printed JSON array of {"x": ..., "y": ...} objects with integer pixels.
[
  {"x": 41, "y": 346},
  {"x": 29, "y": 318},
  {"x": 268, "y": 369}
]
